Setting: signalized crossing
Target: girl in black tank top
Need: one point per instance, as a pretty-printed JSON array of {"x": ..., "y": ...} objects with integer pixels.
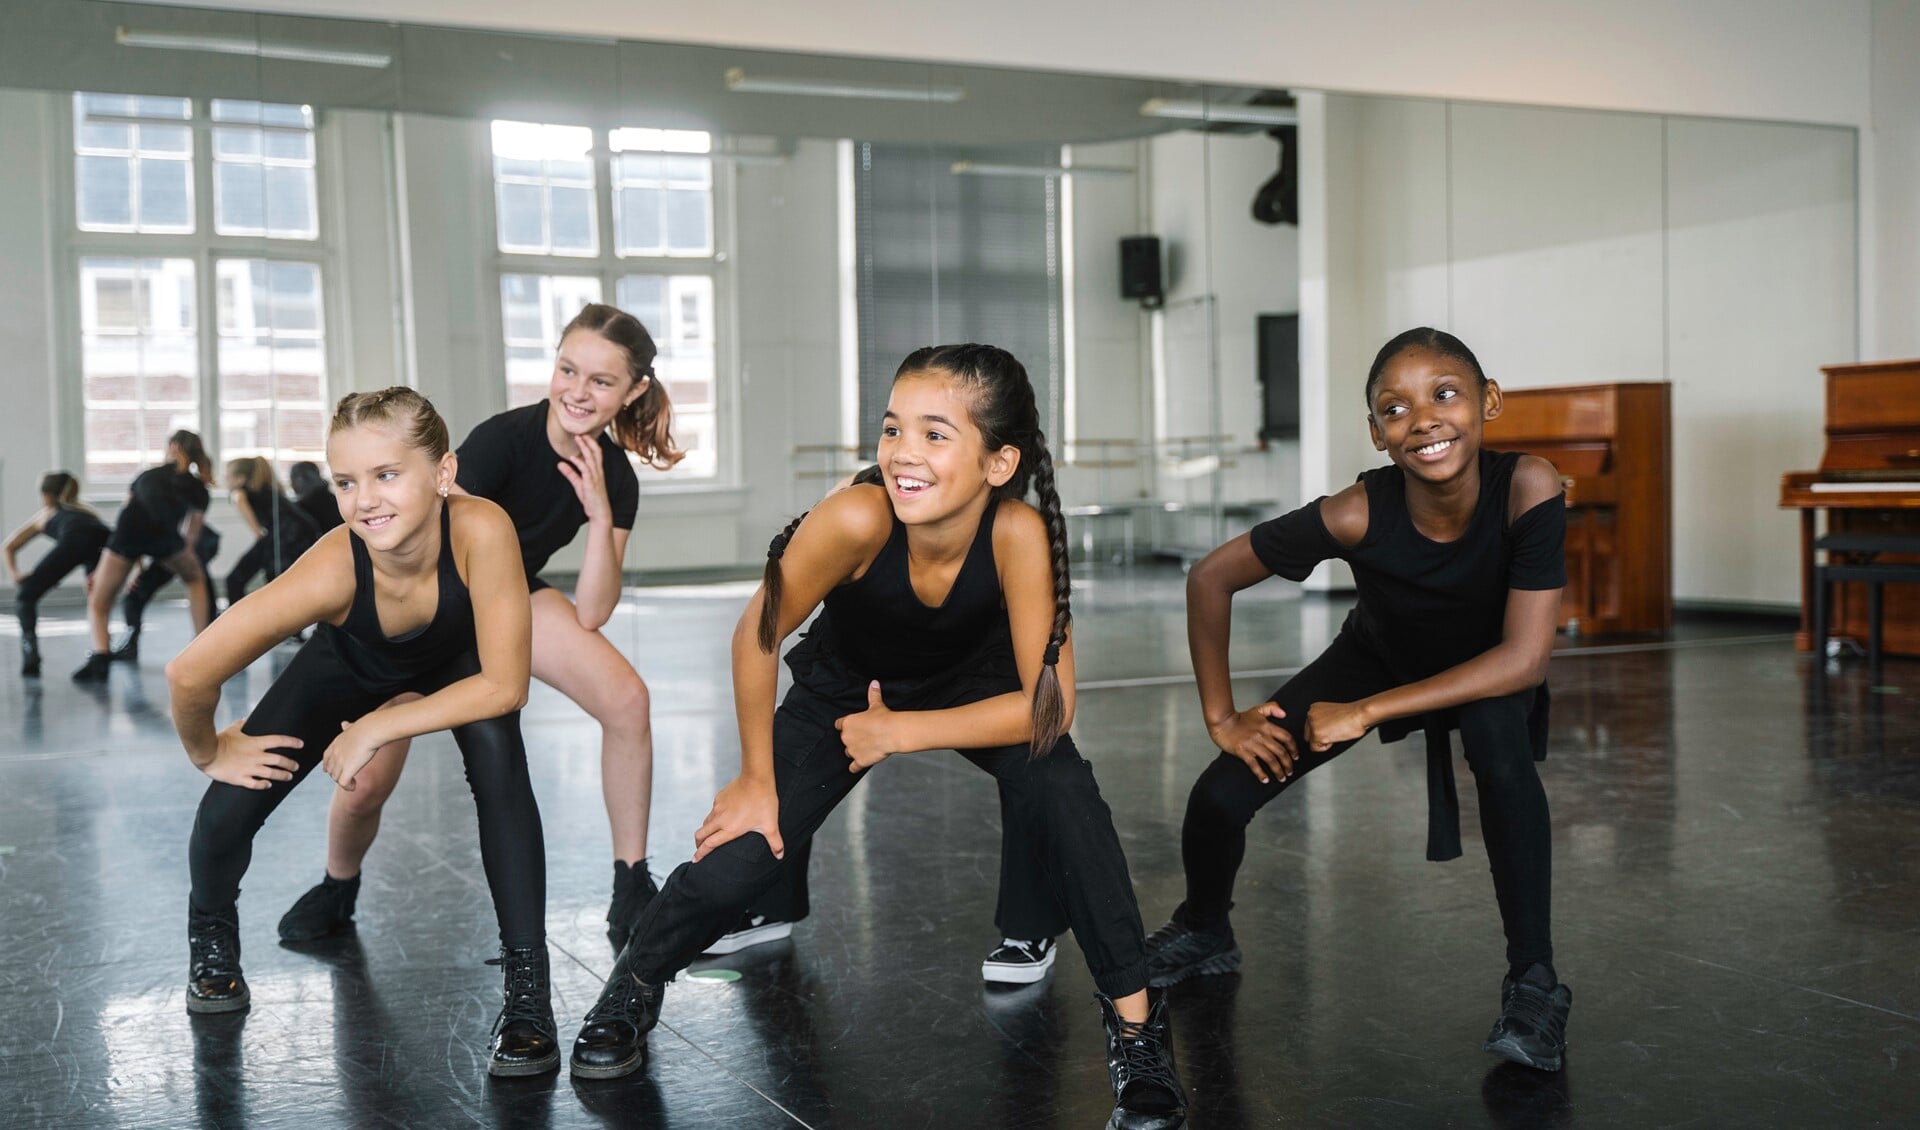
[
  {"x": 1458, "y": 557},
  {"x": 945, "y": 627},
  {"x": 78, "y": 537},
  {"x": 281, "y": 530},
  {"x": 421, "y": 624}
]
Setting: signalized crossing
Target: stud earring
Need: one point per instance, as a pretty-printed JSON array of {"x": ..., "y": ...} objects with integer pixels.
[{"x": 443, "y": 492}]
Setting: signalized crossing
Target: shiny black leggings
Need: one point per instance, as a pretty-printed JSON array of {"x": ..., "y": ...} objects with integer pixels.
[
  {"x": 309, "y": 701},
  {"x": 1514, "y": 821},
  {"x": 155, "y": 576}
]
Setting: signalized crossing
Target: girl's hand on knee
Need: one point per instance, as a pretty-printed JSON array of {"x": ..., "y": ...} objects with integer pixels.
[
  {"x": 745, "y": 805},
  {"x": 349, "y": 753},
  {"x": 1330, "y": 723},
  {"x": 869, "y": 735},
  {"x": 1256, "y": 737},
  {"x": 248, "y": 760}
]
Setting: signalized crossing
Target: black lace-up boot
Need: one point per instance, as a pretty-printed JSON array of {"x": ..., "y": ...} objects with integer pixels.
[
  {"x": 525, "y": 1039},
  {"x": 633, "y": 889},
  {"x": 1146, "y": 1092},
  {"x": 214, "y": 980},
  {"x": 613, "y": 1038},
  {"x": 324, "y": 910},
  {"x": 1532, "y": 1029}
]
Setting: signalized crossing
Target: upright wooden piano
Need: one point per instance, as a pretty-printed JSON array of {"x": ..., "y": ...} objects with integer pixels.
[
  {"x": 1612, "y": 444},
  {"x": 1868, "y": 482}
]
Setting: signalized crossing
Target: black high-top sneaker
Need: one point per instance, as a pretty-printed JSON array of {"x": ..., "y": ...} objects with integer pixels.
[
  {"x": 1532, "y": 1029},
  {"x": 1177, "y": 951},
  {"x": 613, "y": 1038},
  {"x": 1146, "y": 1092},
  {"x": 29, "y": 656},
  {"x": 525, "y": 1039},
  {"x": 214, "y": 980},
  {"x": 128, "y": 649},
  {"x": 633, "y": 889},
  {"x": 324, "y": 910},
  {"x": 94, "y": 670}
]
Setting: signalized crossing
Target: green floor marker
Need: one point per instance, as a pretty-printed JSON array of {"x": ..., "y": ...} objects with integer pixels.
[
  {"x": 722, "y": 976},
  {"x": 1885, "y": 690}
]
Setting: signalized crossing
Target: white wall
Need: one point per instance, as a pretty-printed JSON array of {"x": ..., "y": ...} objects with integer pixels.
[
  {"x": 1786, "y": 60},
  {"x": 1572, "y": 246},
  {"x": 1890, "y": 193},
  {"x": 30, "y": 426}
]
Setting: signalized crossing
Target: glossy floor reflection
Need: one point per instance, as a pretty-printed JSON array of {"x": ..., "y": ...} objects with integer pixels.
[{"x": 1737, "y": 908}]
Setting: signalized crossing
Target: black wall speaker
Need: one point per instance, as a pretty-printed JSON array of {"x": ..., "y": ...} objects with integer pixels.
[
  {"x": 1140, "y": 270},
  {"x": 1279, "y": 376}
]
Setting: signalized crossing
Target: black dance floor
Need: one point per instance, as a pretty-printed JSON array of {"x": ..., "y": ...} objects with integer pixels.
[{"x": 1737, "y": 909}]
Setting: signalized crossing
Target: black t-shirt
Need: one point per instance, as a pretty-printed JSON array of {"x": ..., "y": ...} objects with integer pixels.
[
  {"x": 1426, "y": 606},
  {"x": 71, "y": 521},
  {"x": 321, "y": 509},
  {"x": 508, "y": 459},
  {"x": 165, "y": 495}
]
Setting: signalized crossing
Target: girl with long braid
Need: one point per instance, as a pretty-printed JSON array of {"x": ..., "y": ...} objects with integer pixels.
[{"x": 945, "y": 626}]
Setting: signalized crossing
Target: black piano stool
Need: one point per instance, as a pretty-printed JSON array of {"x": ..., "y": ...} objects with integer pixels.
[{"x": 1854, "y": 557}]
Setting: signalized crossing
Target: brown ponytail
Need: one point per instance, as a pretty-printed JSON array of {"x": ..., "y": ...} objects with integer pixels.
[
  {"x": 645, "y": 426},
  {"x": 1049, "y": 704},
  {"x": 770, "y": 580},
  {"x": 196, "y": 453}
]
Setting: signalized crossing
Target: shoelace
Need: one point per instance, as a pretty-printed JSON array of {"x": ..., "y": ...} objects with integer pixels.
[
  {"x": 523, "y": 993},
  {"x": 216, "y": 945},
  {"x": 1533, "y": 1006},
  {"x": 625, "y": 1000},
  {"x": 1143, "y": 1055},
  {"x": 1017, "y": 947}
]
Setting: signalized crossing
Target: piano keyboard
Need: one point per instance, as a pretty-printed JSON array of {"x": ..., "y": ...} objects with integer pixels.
[{"x": 1862, "y": 487}]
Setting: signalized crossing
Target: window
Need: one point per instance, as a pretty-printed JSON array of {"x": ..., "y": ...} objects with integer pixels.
[
  {"x": 662, "y": 263},
  {"x": 152, "y": 257}
]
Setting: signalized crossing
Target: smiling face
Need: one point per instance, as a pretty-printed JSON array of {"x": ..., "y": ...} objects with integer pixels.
[
  {"x": 931, "y": 455},
  {"x": 388, "y": 490},
  {"x": 592, "y": 382},
  {"x": 1428, "y": 411}
]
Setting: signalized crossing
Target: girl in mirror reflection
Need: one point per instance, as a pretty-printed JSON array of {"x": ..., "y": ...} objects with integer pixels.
[
  {"x": 1458, "y": 557},
  {"x": 945, "y": 626},
  {"x": 78, "y": 536},
  {"x": 554, "y": 466},
  {"x": 164, "y": 521},
  {"x": 420, "y": 626}
]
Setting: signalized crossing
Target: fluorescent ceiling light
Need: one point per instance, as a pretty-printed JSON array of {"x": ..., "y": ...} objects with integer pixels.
[
  {"x": 984, "y": 169},
  {"x": 1237, "y": 113},
  {"x": 740, "y": 82},
  {"x": 247, "y": 45}
]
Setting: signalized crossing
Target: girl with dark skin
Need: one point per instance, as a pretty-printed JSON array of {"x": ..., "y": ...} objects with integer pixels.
[
  {"x": 1458, "y": 555},
  {"x": 78, "y": 537}
]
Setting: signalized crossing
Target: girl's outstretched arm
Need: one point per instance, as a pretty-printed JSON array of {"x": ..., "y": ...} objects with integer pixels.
[
  {"x": 28, "y": 530},
  {"x": 839, "y": 537},
  {"x": 319, "y": 586},
  {"x": 486, "y": 543}
]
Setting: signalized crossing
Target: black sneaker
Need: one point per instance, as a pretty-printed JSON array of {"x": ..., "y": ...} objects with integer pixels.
[
  {"x": 214, "y": 980},
  {"x": 1016, "y": 961},
  {"x": 1177, "y": 951},
  {"x": 1146, "y": 1091},
  {"x": 1532, "y": 1029},
  {"x": 633, "y": 889},
  {"x": 613, "y": 1038},
  {"x": 94, "y": 670},
  {"x": 128, "y": 649},
  {"x": 323, "y": 911},
  {"x": 29, "y": 657},
  {"x": 525, "y": 1039},
  {"x": 753, "y": 930}
]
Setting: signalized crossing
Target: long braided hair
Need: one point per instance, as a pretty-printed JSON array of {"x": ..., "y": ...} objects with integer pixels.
[{"x": 1003, "y": 409}]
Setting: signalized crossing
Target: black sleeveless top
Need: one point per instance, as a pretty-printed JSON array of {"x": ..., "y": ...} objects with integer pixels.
[
  {"x": 71, "y": 522},
  {"x": 882, "y": 629},
  {"x": 162, "y": 497},
  {"x": 261, "y": 501},
  {"x": 446, "y": 637}
]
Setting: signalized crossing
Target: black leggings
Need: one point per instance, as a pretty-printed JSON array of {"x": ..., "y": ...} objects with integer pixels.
[
  {"x": 1026, "y": 908},
  {"x": 256, "y": 560},
  {"x": 79, "y": 550},
  {"x": 1514, "y": 820},
  {"x": 309, "y": 701},
  {"x": 155, "y": 576},
  {"x": 1055, "y": 797}
]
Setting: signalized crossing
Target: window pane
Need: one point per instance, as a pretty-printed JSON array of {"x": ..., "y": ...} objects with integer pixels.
[
  {"x": 272, "y": 359},
  {"x": 139, "y": 357},
  {"x": 640, "y": 221},
  {"x": 678, "y": 312},
  {"x": 95, "y": 135},
  {"x": 645, "y": 297},
  {"x": 106, "y": 192},
  {"x": 166, "y": 196},
  {"x": 522, "y": 226},
  {"x": 689, "y": 172},
  {"x": 520, "y": 308},
  {"x": 164, "y": 140},
  {"x": 236, "y": 143},
  {"x": 239, "y": 200},
  {"x": 290, "y": 202},
  {"x": 572, "y": 221},
  {"x": 534, "y": 309},
  {"x": 282, "y": 145},
  {"x": 689, "y": 222}
]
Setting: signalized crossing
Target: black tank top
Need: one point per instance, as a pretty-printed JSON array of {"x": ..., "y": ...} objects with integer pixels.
[
  {"x": 446, "y": 637},
  {"x": 262, "y": 503},
  {"x": 71, "y": 521},
  {"x": 882, "y": 628}
]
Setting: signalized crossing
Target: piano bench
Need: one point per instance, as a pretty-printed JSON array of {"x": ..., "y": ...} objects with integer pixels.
[{"x": 1873, "y": 573}]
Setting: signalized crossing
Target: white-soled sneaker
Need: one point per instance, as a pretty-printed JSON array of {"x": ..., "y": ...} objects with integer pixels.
[
  {"x": 1018, "y": 961},
  {"x": 753, "y": 930}
]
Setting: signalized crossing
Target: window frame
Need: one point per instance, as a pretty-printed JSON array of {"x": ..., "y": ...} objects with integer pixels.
[
  {"x": 205, "y": 248},
  {"x": 608, "y": 266}
]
